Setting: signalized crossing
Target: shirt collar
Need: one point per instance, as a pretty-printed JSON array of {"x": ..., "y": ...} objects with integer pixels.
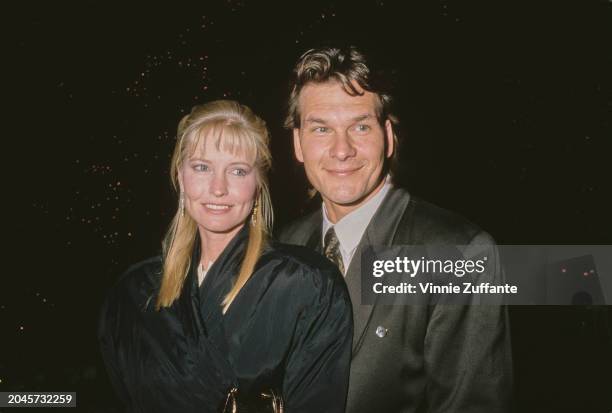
[{"x": 351, "y": 227}]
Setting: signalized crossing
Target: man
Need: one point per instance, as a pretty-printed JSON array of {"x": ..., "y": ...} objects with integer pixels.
[{"x": 405, "y": 358}]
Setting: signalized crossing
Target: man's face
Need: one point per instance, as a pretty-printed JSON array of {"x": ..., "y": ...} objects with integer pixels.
[{"x": 342, "y": 144}]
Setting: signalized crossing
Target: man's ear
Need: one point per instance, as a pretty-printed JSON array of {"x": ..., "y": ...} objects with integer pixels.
[
  {"x": 297, "y": 145},
  {"x": 390, "y": 138}
]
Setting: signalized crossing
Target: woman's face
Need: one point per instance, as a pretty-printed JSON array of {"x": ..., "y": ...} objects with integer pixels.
[{"x": 219, "y": 188}]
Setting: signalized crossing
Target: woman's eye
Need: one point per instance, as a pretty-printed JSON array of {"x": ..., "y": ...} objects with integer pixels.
[{"x": 200, "y": 167}]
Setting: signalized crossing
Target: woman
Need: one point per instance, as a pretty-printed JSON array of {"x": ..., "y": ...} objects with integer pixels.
[{"x": 225, "y": 319}]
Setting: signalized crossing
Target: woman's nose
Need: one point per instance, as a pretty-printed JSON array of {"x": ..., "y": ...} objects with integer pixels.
[{"x": 218, "y": 185}]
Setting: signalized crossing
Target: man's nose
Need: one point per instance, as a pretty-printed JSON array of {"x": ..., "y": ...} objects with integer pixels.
[
  {"x": 342, "y": 147},
  {"x": 218, "y": 185}
]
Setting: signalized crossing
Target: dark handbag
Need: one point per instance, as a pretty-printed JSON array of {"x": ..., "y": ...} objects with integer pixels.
[{"x": 264, "y": 402}]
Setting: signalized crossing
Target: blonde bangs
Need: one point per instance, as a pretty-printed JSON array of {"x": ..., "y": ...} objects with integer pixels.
[{"x": 227, "y": 137}]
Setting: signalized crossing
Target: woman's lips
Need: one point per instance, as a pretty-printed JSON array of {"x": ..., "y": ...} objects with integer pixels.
[{"x": 217, "y": 208}]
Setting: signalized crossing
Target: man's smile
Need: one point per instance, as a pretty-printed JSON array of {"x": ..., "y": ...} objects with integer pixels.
[{"x": 342, "y": 171}]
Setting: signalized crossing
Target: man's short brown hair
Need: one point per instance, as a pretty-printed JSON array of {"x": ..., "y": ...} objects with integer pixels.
[{"x": 348, "y": 66}]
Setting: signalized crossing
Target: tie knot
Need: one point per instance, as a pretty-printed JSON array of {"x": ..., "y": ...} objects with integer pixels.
[
  {"x": 330, "y": 238},
  {"x": 331, "y": 249}
]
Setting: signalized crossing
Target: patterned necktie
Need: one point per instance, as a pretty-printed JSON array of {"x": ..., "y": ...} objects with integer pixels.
[{"x": 331, "y": 249}]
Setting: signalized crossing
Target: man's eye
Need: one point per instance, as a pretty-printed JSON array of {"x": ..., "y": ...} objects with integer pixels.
[
  {"x": 240, "y": 172},
  {"x": 321, "y": 129},
  {"x": 362, "y": 128},
  {"x": 200, "y": 167}
]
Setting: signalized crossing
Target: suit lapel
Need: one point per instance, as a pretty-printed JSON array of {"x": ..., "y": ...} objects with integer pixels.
[
  {"x": 314, "y": 240},
  {"x": 361, "y": 312},
  {"x": 380, "y": 232}
]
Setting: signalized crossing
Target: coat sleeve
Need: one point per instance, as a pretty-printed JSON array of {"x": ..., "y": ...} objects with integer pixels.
[
  {"x": 467, "y": 350},
  {"x": 317, "y": 369}
]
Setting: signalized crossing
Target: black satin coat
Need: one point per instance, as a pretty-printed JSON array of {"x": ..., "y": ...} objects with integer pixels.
[{"x": 289, "y": 329}]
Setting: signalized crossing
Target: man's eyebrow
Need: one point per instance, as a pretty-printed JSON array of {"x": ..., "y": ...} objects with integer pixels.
[
  {"x": 360, "y": 118},
  {"x": 314, "y": 120}
]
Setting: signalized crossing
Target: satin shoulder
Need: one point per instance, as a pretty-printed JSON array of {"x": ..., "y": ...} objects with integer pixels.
[{"x": 139, "y": 284}]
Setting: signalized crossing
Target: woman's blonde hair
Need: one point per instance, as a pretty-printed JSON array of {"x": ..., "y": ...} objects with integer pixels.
[{"x": 236, "y": 129}]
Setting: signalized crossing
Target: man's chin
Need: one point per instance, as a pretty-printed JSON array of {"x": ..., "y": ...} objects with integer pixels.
[
  {"x": 345, "y": 199},
  {"x": 348, "y": 196}
]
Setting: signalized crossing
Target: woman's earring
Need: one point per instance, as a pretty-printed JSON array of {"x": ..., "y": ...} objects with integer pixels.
[
  {"x": 254, "y": 215},
  {"x": 182, "y": 204}
]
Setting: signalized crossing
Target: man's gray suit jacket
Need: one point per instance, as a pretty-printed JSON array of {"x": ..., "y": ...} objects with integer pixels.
[{"x": 436, "y": 358}]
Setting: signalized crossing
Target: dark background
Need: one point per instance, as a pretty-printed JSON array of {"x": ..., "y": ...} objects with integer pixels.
[{"x": 506, "y": 118}]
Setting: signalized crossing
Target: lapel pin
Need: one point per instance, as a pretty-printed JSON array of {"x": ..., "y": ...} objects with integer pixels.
[{"x": 381, "y": 331}]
